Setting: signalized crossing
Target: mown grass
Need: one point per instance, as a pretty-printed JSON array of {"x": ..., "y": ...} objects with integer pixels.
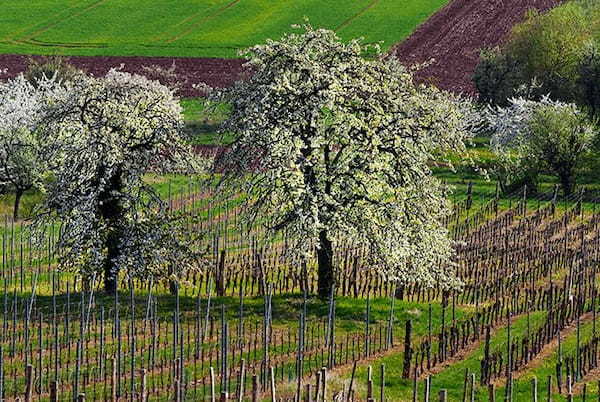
[
  {"x": 193, "y": 28},
  {"x": 350, "y": 315},
  {"x": 202, "y": 125}
]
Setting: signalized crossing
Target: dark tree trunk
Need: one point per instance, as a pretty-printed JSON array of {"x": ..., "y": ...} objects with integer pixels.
[
  {"x": 112, "y": 213},
  {"x": 111, "y": 270},
  {"x": 567, "y": 182},
  {"x": 325, "y": 261},
  {"x": 325, "y": 250},
  {"x": 173, "y": 287},
  {"x": 18, "y": 195}
]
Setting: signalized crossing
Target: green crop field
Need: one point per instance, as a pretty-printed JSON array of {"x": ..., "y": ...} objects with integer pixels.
[{"x": 193, "y": 28}]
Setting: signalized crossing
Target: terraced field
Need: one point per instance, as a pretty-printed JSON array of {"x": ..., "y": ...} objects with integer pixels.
[{"x": 193, "y": 28}]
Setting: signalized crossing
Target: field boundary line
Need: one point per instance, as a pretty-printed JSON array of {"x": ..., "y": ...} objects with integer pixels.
[
  {"x": 202, "y": 21},
  {"x": 51, "y": 25},
  {"x": 75, "y": 45},
  {"x": 41, "y": 24},
  {"x": 351, "y": 19}
]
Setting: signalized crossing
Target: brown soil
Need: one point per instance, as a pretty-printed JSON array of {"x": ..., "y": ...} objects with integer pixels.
[
  {"x": 454, "y": 36},
  {"x": 217, "y": 73}
]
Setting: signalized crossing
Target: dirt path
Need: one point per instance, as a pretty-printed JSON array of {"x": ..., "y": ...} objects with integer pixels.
[{"x": 589, "y": 378}]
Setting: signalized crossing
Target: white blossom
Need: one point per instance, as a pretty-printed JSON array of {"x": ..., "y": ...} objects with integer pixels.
[
  {"x": 529, "y": 135},
  {"x": 339, "y": 145},
  {"x": 23, "y": 145},
  {"x": 110, "y": 131}
]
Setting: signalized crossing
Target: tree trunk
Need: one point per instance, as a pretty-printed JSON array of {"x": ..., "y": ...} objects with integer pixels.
[
  {"x": 112, "y": 213},
  {"x": 567, "y": 182},
  {"x": 325, "y": 261},
  {"x": 18, "y": 195},
  {"x": 111, "y": 270},
  {"x": 173, "y": 287}
]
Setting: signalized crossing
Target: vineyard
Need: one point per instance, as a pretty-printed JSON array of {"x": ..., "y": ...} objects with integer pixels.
[
  {"x": 316, "y": 218},
  {"x": 249, "y": 328}
]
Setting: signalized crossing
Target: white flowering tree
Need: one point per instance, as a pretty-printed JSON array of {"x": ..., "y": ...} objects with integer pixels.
[
  {"x": 23, "y": 149},
  {"x": 339, "y": 145},
  {"x": 530, "y": 136},
  {"x": 113, "y": 130}
]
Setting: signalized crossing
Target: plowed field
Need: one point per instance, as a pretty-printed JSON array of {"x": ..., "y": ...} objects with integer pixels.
[{"x": 454, "y": 36}]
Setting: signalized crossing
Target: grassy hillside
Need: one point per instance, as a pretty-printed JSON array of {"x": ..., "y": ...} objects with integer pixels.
[{"x": 195, "y": 28}]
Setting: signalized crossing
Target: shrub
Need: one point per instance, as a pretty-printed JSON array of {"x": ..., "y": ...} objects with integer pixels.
[
  {"x": 51, "y": 66},
  {"x": 560, "y": 139},
  {"x": 513, "y": 173},
  {"x": 497, "y": 76}
]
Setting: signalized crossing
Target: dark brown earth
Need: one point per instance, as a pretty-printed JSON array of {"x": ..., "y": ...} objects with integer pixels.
[
  {"x": 189, "y": 71},
  {"x": 454, "y": 36}
]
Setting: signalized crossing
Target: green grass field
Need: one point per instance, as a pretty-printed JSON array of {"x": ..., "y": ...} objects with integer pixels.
[{"x": 193, "y": 28}]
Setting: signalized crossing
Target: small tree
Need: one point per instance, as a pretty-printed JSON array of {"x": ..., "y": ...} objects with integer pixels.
[
  {"x": 547, "y": 134},
  {"x": 23, "y": 153},
  {"x": 113, "y": 130},
  {"x": 549, "y": 47},
  {"x": 342, "y": 144}
]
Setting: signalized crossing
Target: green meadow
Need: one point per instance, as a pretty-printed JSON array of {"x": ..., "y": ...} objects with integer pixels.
[{"x": 193, "y": 28}]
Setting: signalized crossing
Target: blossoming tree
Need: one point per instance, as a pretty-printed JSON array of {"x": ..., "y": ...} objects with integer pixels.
[
  {"x": 343, "y": 143},
  {"x": 529, "y": 136},
  {"x": 23, "y": 152},
  {"x": 112, "y": 130}
]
